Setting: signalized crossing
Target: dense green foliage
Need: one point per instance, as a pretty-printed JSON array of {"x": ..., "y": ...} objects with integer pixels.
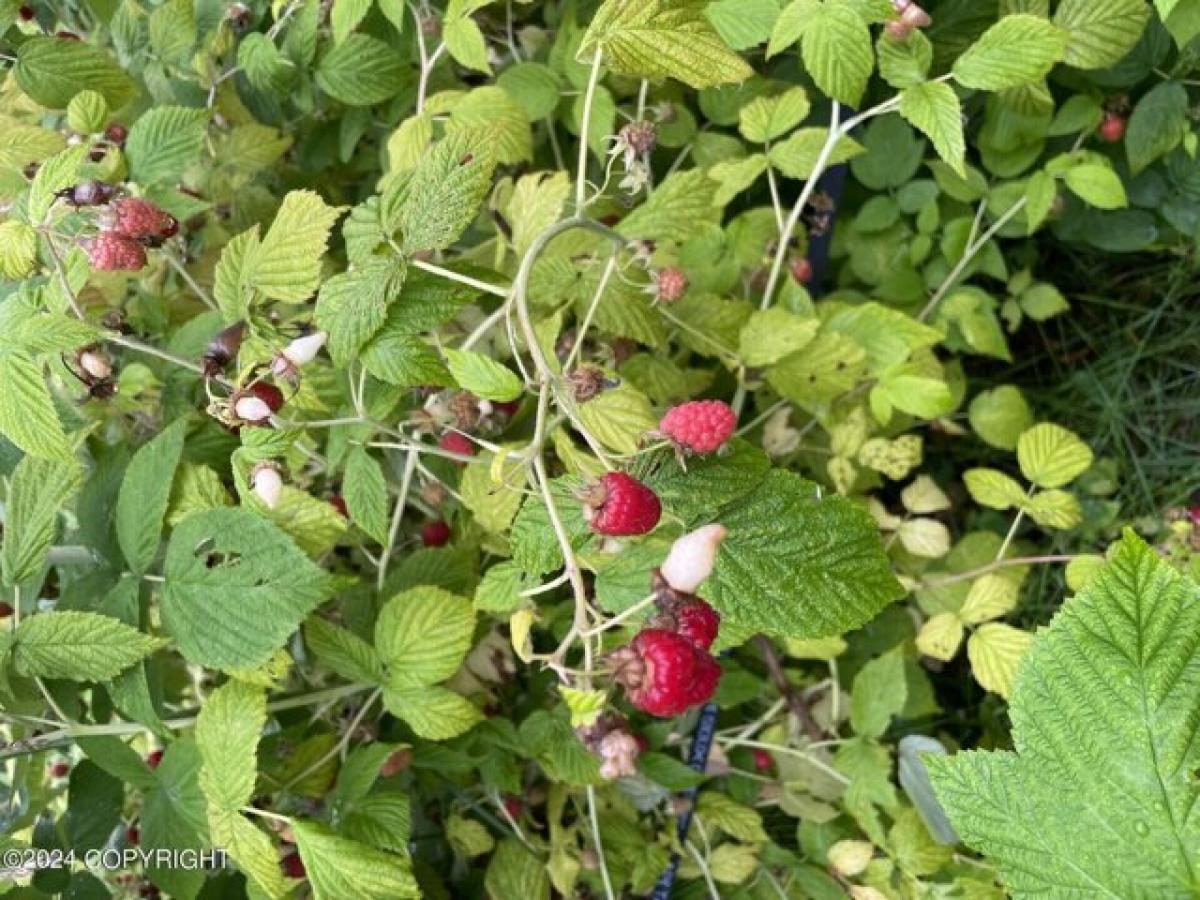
[{"x": 324, "y": 327}]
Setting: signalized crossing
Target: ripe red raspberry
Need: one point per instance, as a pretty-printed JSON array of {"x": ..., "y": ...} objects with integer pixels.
[
  {"x": 132, "y": 835},
  {"x": 153, "y": 758},
  {"x": 6, "y": 610},
  {"x": 338, "y": 502},
  {"x": 454, "y": 442},
  {"x": 1194, "y": 515},
  {"x": 1112, "y": 129},
  {"x": 701, "y": 426},
  {"x": 664, "y": 673},
  {"x": 60, "y": 770},
  {"x": 696, "y": 621},
  {"x": 435, "y": 534},
  {"x": 671, "y": 284},
  {"x": 763, "y": 761},
  {"x": 267, "y": 393},
  {"x": 293, "y": 866},
  {"x": 802, "y": 270},
  {"x": 110, "y": 252},
  {"x": 116, "y": 132},
  {"x": 138, "y": 219},
  {"x": 620, "y": 505},
  {"x": 512, "y": 806}
]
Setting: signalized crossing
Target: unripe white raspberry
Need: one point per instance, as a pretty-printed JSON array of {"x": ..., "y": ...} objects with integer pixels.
[
  {"x": 268, "y": 484},
  {"x": 692, "y": 556},
  {"x": 95, "y": 364},
  {"x": 252, "y": 409},
  {"x": 299, "y": 352}
]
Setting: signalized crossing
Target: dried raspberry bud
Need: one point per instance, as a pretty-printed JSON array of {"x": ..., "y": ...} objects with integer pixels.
[
  {"x": 460, "y": 444},
  {"x": 692, "y": 558},
  {"x": 588, "y": 382},
  {"x": 298, "y": 353},
  {"x": 267, "y": 483},
  {"x": 620, "y": 505},
  {"x": 95, "y": 364},
  {"x": 132, "y": 835},
  {"x": 512, "y": 806},
  {"x": 223, "y": 348},
  {"x": 238, "y": 15},
  {"x": 701, "y": 426},
  {"x": 618, "y": 755},
  {"x": 664, "y": 673},
  {"x": 26, "y": 13},
  {"x": 466, "y": 409},
  {"x": 670, "y": 285},
  {"x": 801, "y": 270},
  {"x": 435, "y": 534},
  {"x": 110, "y": 252},
  {"x": 1112, "y": 129},
  {"x": 138, "y": 219},
  {"x": 89, "y": 193},
  {"x": 638, "y": 138}
]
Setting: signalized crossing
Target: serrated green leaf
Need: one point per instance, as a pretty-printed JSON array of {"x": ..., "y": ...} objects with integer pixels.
[
  {"x": 18, "y": 250},
  {"x": 493, "y": 113},
  {"x": 464, "y": 41},
  {"x": 990, "y": 597},
  {"x": 995, "y": 651},
  {"x": 231, "y": 280},
  {"x": 436, "y": 204},
  {"x": 878, "y": 693},
  {"x": 1051, "y": 456},
  {"x": 338, "y": 868},
  {"x": 663, "y": 39},
  {"x": 993, "y": 489},
  {"x": 80, "y": 646},
  {"x": 676, "y": 210},
  {"x": 797, "y": 157},
  {"x": 515, "y": 871},
  {"x": 483, "y": 376},
  {"x": 27, "y": 414},
  {"x": 366, "y": 493},
  {"x": 743, "y": 24},
  {"x": 1100, "y": 32},
  {"x": 767, "y": 118},
  {"x": 145, "y": 493},
  {"x": 772, "y": 334},
  {"x": 353, "y": 306},
  {"x": 52, "y": 71},
  {"x": 87, "y": 112},
  {"x": 343, "y": 651},
  {"x": 733, "y": 818},
  {"x": 361, "y": 71},
  {"x": 1158, "y": 124},
  {"x": 1097, "y": 185},
  {"x": 422, "y": 636},
  {"x": 934, "y": 109},
  {"x": 1000, "y": 416},
  {"x": 287, "y": 264},
  {"x": 346, "y": 16},
  {"x": 1040, "y": 192},
  {"x": 38, "y": 491},
  {"x": 235, "y": 588},
  {"x": 618, "y": 418},
  {"x": 249, "y": 847},
  {"x": 837, "y": 52},
  {"x": 227, "y": 734},
  {"x": 55, "y": 174},
  {"x": 584, "y": 706},
  {"x": 904, "y": 64},
  {"x": 433, "y": 713},
  {"x": 164, "y": 142},
  {"x": 1017, "y": 50},
  {"x": 789, "y": 27},
  {"x": 798, "y": 566},
  {"x": 1055, "y": 509}
]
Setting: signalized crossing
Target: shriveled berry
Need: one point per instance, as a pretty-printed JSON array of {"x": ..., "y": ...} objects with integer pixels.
[
  {"x": 26, "y": 13},
  {"x": 1112, "y": 129},
  {"x": 153, "y": 758},
  {"x": 801, "y": 270},
  {"x": 293, "y": 866},
  {"x": 620, "y": 505},
  {"x": 116, "y": 132},
  {"x": 453, "y": 442},
  {"x": 139, "y": 219},
  {"x": 110, "y": 252},
  {"x": 671, "y": 284},
  {"x": 435, "y": 534},
  {"x": 223, "y": 348},
  {"x": 639, "y": 137},
  {"x": 701, "y": 426},
  {"x": 666, "y": 674}
]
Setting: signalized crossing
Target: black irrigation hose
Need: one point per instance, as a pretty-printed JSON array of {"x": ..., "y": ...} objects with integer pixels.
[{"x": 829, "y": 189}]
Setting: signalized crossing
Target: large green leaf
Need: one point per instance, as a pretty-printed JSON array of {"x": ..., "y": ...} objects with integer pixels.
[
  {"x": 37, "y": 493},
  {"x": 165, "y": 142},
  {"x": 663, "y": 39},
  {"x": 799, "y": 565},
  {"x": 1017, "y": 50},
  {"x": 236, "y": 588},
  {"x": 422, "y": 636},
  {"x": 934, "y": 109},
  {"x": 837, "y": 51},
  {"x": 53, "y": 70},
  {"x": 1100, "y": 31},
  {"x": 362, "y": 71},
  {"x": 145, "y": 492},
  {"x": 287, "y": 264},
  {"x": 227, "y": 733},
  {"x": 339, "y": 868},
  {"x": 27, "y": 414},
  {"x": 81, "y": 646},
  {"x": 1098, "y": 797}
]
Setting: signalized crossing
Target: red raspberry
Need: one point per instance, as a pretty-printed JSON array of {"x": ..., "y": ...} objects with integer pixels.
[
  {"x": 508, "y": 408},
  {"x": 138, "y": 219},
  {"x": 802, "y": 270},
  {"x": 132, "y": 835},
  {"x": 6, "y": 610},
  {"x": 396, "y": 763},
  {"x": 1193, "y": 514},
  {"x": 701, "y": 426},
  {"x": 110, "y": 252},
  {"x": 672, "y": 284},
  {"x": 153, "y": 758},
  {"x": 338, "y": 502},
  {"x": 697, "y": 621},
  {"x": 116, "y": 132},
  {"x": 435, "y": 534},
  {"x": 665, "y": 674},
  {"x": 1112, "y": 129},
  {"x": 763, "y": 761},
  {"x": 60, "y": 770},
  {"x": 293, "y": 866},
  {"x": 454, "y": 442},
  {"x": 621, "y": 505},
  {"x": 512, "y": 806},
  {"x": 267, "y": 393}
]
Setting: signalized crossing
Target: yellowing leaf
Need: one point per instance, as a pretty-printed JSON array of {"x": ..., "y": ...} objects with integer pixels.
[
  {"x": 287, "y": 264},
  {"x": 991, "y": 596},
  {"x": 996, "y": 651},
  {"x": 993, "y": 489},
  {"x": 941, "y": 636},
  {"x": 1051, "y": 456}
]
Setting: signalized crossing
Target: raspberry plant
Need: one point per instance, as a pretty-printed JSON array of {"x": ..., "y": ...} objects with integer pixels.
[{"x": 478, "y": 449}]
